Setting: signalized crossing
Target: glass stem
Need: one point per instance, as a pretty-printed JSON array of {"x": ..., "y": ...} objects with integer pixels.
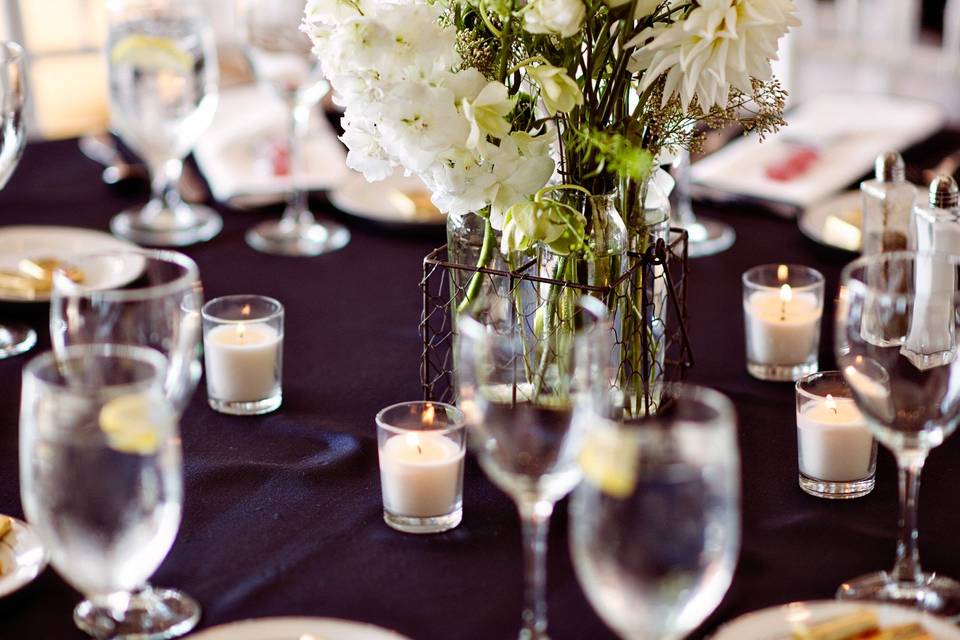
[
  {"x": 535, "y": 516},
  {"x": 297, "y": 213},
  {"x": 165, "y": 176},
  {"x": 907, "y": 566},
  {"x": 681, "y": 173}
]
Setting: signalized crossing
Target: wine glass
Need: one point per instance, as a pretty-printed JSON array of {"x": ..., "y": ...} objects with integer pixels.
[
  {"x": 142, "y": 297},
  {"x": 14, "y": 338},
  {"x": 907, "y": 385},
  {"x": 516, "y": 391},
  {"x": 101, "y": 481},
  {"x": 281, "y": 58},
  {"x": 655, "y": 524},
  {"x": 162, "y": 67},
  {"x": 705, "y": 236}
]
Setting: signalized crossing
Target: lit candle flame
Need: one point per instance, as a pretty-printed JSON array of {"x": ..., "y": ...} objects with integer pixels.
[
  {"x": 414, "y": 441},
  {"x": 782, "y": 273},
  {"x": 786, "y": 295},
  {"x": 831, "y": 404},
  {"x": 245, "y": 311},
  {"x": 426, "y": 419}
]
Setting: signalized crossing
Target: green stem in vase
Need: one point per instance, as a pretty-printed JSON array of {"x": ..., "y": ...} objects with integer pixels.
[
  {"x": 483, "y": 261},
  {"x": 548, "y": 327}
]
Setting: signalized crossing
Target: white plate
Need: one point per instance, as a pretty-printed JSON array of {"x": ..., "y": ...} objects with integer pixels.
[
  {"x": 835, "y": 222},
  {"x": 297, "y": 629},
  {"x": 21, "y": 556},
  {"x": 384, "y": 201},
  {"x": 775, "y": 623},
  {"x": 61, "y": 243}
]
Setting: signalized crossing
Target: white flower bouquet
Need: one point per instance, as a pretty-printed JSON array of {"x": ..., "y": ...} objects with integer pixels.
[
  {"x": 520, "y": 110},
  {"x": 487, "y": 100}
]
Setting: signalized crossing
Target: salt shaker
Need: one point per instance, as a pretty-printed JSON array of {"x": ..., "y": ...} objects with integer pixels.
[
  {"x": 887, "y": 201},
  {"x": 930, "y": 340}
]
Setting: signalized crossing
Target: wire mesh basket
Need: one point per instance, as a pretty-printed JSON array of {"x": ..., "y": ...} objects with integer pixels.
[{"x": 664, "y": 265}]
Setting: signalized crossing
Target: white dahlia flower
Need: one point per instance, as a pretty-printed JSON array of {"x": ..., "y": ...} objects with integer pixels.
[{"x": 720, "y": 44}]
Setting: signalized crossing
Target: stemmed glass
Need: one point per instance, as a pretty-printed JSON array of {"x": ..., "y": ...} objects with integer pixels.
[
  {"x": 14, "y": 338},
  {"x": 144, "y": 297},
  {"x": 907, "y": 384},
  {"x": 655, "y": 525},
  {"x": 280, "y": 56},
  {"x": 163, "y": 75},
  {"x": 101, "y": 481},
  {"x": 706, "y": 237},
  {"x": 516, "y": 391}
]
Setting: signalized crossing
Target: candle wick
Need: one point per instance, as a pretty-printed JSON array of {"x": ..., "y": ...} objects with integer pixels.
[
  {"x": 783, "y": 311},
  {"x": 419, "y": 450}
]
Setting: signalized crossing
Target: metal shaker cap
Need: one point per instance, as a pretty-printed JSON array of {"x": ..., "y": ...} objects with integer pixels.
[
  {"x": 889, "y": 167},
  {"x": 944, "y": 193}
]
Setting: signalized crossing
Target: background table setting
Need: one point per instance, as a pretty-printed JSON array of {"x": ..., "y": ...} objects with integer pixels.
[{"x": 307, "y": 509}]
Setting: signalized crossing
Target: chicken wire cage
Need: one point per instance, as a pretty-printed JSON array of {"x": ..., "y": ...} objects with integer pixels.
[{"x": 665, "y": 352}]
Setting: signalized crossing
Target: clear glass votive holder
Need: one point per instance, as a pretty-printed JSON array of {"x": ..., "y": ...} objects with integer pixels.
[
  {"x": 782, "y": 309},
  {"x": 243, "y": 353},
  {"x": 421, "y": 448},
  {"x": 836, "y": 452}
]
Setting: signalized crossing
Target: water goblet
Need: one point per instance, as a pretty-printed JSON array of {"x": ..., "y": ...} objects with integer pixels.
[
  {"x": 146, "y": 297},
  {"x": 102, "y": 484},
  {"x": 655, "y": 524},
  {"x": 281, "y": 58},
  {"x": 908, "y": 387},
  {"x": 516, "y": 389},
  {"x": 14, "y": 338},
  {"x": 162, "y": 67}
]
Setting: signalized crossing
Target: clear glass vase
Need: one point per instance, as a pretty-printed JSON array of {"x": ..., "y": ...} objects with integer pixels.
[{"x": 637, "y": 305}]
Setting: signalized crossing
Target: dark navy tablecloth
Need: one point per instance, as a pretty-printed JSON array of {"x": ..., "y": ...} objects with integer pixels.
[{"x": 282, "y": 514}]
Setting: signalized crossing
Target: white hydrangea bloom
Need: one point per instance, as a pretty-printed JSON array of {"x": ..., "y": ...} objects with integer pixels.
[{"x": 719, "y": 45}]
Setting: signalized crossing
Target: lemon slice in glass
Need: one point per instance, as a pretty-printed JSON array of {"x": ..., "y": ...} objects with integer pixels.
[
  {"x": 151, "y": 52},
  {"x": 609, "y": 461},
  {"x": 136, "y": 422}
]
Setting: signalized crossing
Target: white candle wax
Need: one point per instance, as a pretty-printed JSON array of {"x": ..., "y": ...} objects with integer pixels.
[
  {"x": 241, "y": 361},
  {"x": 781, "y": 332},
  {"x": 421, "y": 474},
  {"x": 835, "y": 444}
]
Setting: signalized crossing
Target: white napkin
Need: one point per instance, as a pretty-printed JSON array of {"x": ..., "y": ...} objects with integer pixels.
[
  {"x": 231, "y": 152},
  {"x": 847, "y": 130}
]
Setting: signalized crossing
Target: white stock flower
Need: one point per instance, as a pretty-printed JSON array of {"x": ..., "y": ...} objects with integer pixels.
[
  {"x": 563, "y": 17},
  {"x": 719, "y": 45},
  {"x": 364, "y": 151},
  {"x": 522, "y": 166},
  {"x": 487, "y": 113},
  {"x": 419, "y": 122},
  {"x": 559, "y": 91}
]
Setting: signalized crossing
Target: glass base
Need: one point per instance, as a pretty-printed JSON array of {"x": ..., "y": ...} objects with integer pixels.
[
  {"x": 837, "y": 490},
  {"x": 936, "y": 594},
  {"x": 189, "y": 225},
  {"x": 254, "y": 408},
  {"x": 16, "y": 339},
  {"x": 434, "y": 524},
  {"x": 781, "y": 372},
  {"x": 284, "y": 239},
  {"x": 150, "y": 614},
  {"x": 708, "y": 237}
]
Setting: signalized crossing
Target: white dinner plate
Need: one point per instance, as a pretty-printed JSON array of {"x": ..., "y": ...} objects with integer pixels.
[
  {"x": 297, "y": 629},
  {"x": 22, "y": 558},
  {"x": 775, "y": 623},
  {"x": 61, "y": 243},
  {"x": 835, "y": 222},
  {"x": 387, "y": 201}
]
